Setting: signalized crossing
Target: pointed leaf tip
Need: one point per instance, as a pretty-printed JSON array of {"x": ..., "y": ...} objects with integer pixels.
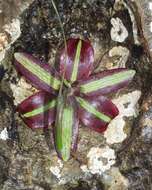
[{"x": 17, "y": 55}]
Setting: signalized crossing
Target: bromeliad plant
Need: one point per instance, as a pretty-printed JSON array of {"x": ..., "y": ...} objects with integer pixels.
[{"x": 78, "y": 97}]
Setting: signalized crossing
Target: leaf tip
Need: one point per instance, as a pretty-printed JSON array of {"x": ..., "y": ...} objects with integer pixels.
[
  {"x": 16, "y": 55},
  {"x": 65, "y": 158}
]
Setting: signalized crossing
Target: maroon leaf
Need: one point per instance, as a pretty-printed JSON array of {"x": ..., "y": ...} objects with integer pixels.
[
  {"x": 96, "y": 113},
  {"x": 106, "y": 82},
  {"x": 38, "y": 111},
  {"x": 79, "y": 59},
  {"x": 41, "y": 75}
]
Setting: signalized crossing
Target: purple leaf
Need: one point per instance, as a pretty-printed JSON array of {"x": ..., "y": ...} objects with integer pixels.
[
  {"x": 38, "y": 111},
  {"x": 96, "y": 112},
  {"x": 106, "y": 82},
  {"x": 39, "y": 74},
  {"x": 78, "y": 63}
]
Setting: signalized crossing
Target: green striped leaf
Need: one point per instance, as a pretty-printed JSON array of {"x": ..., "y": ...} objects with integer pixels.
[
  {"x": 96, "y": 112},
  {"x": 38, "y": 111},
  {"x": 92, "y": 110},
  {"x": 106, "y": 82},
  {"x": 64, "y": 129},
  {"x": 41, "y": 109},
  {"x": 79, "y": 60},
  {"x": 39, "y": 74}
]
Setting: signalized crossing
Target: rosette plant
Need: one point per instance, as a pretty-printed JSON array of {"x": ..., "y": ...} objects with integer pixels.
[{"x": 69, "y": 94}]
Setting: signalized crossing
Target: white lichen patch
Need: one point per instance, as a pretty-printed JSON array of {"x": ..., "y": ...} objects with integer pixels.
[
  {"x": 147, "y": 122},
  {"x": 127, "y": 104},
  {"x": 134, "y": 23},
  {"x": 13, "y": 29},
  {"x": 84, "y": 168},
  {"x": 122, "y": 55},
  {"x": 116, "y": 57},
  {"x": 147, "y": 133},
  {"x": 21, "y": 90},
  {"x": 128, "y": 107},
  {"x": 4, "y": 134},
  {"x": 115, "y": 180},
  {"x": 3, "y": 45},
  {"x": 3, "y": 41},
  {"x": 115, "y": 132},
  {"x": 118, "y": 32},
  {"x": 151, "y": 26},
  {"x": 99, "y": 160},
  {"x": 56, "y": 170},
  {"x": 9, "y": 36},
  {"x": 150, "y": 6},
  {"x": 147, "y": 129}
]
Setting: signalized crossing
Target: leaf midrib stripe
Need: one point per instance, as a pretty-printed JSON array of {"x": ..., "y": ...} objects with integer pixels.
[
  {"x": 106, "y": 81},
  {"x": 66, "y": 130},
  {"x": 86, "y": 105},
  {"x": 76, "y": 61},
  {"x": 41, "y": 109},
  {"x": 39, "y": 72}
]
